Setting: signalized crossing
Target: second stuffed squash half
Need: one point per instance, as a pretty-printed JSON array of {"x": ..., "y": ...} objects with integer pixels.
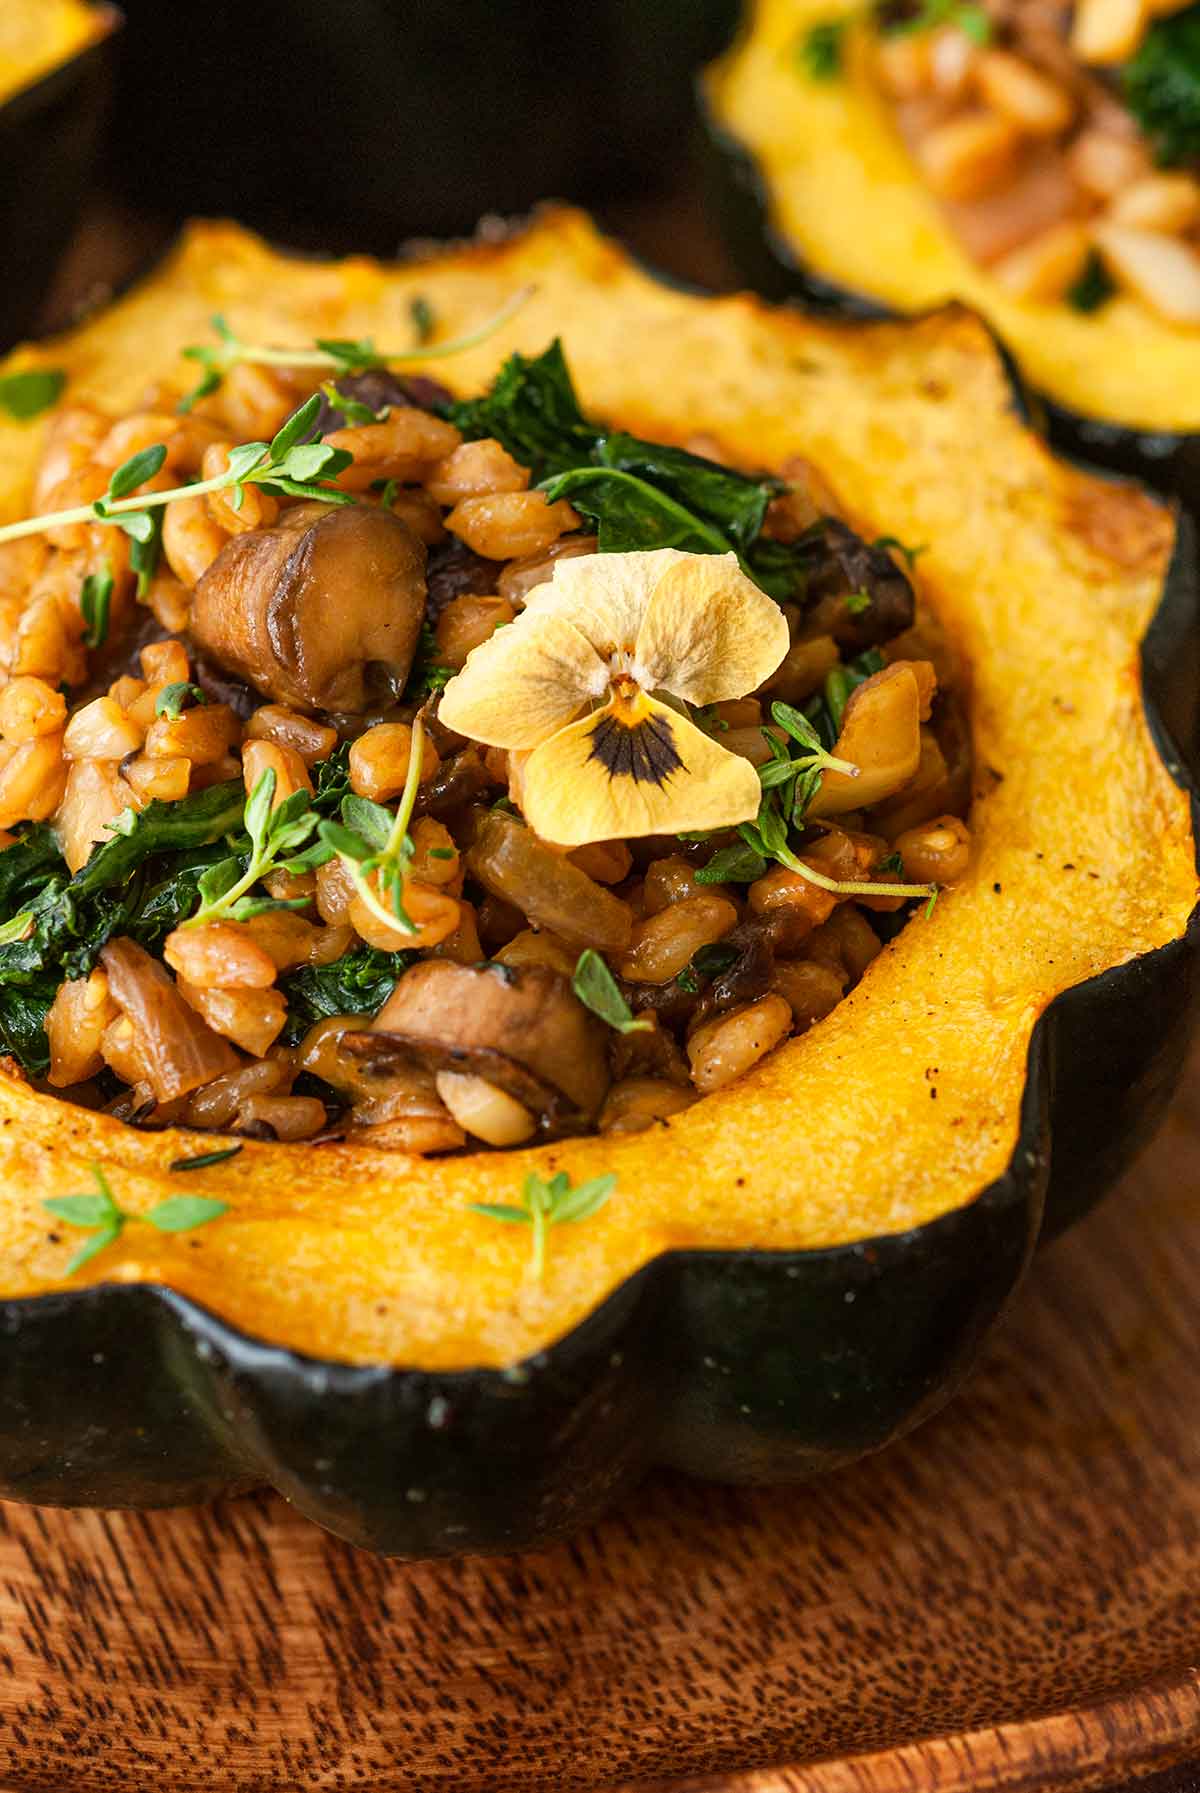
[{"x": 1055, "y": 195}]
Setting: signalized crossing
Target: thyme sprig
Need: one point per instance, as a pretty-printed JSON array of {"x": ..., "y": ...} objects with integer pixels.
[
  {"x": 768, "y": 838},
  {"x": 336, "y": 354},
  {"x": 789, "y": 784},
  {"x": 280, "y": 841},
  {"x": 287, "y": 466},
  {"x": 370, "y": 840},
  {"x": 797, "y": 778},
  {"x": 549, "y": 1203},
  {"x": 102, "y": 1215}
]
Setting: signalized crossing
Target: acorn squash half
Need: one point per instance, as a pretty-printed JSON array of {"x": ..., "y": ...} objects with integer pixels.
[
  {"x": 53, "y": 91},
  {"x": 822, "y": 200},
  {"x": 799, "y": 1267}
]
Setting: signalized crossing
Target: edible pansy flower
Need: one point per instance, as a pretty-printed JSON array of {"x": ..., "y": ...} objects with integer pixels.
[{"x": 573, "y": 686}]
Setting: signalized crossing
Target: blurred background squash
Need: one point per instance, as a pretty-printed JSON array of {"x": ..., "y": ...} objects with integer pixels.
[{"x": 822, "y": 202}]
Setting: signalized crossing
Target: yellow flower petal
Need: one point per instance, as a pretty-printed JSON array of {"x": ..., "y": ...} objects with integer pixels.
[
  {"x": 524, "y": 683},
  {"x": 630, "y": 770},
  {"x": 709, "y": 632},
  {"x": 604, "y": 595}
]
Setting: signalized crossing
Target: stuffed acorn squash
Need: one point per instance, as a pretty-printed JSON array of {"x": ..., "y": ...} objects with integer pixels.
[
  {"x": 53, "y": 87},
  {"x": 1036, "y": 161},
  {"x": 387, "y": 1322}
]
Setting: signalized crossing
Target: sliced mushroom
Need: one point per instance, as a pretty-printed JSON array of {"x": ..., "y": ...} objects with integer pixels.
[
  {"x": 394, "y": 1104},
  {"x": 323, "y": 611},
  {"x": 881, "y": 735},
  {"x": 747, "y": 979},
  {"x": 649, "y": 1051},
  {"x": 454, "y": 571},
  {"x": 461, "y": 778},
  {"x": 520, "y": 1028},
  {"x": 862, "y": 597},
  {"x": 380, "y": 390}
]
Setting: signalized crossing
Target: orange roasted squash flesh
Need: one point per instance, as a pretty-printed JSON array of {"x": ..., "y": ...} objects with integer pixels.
[
  {"x": 904, "y": 1103},
  {"x": 846, "y": 207}
]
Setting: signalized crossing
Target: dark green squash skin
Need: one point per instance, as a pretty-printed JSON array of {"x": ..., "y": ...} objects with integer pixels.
[
  {"x": 740, "y": 1366},
  {"x": 739, "y": 197},
  {"x": 49, "y": 133}
]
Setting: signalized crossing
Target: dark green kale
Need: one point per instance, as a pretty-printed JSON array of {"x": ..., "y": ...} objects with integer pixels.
[
  {"x": 359, "y": 983},
  {"x": 332, "y": 781},
  {"x": 1161, "y": 84},
  {"x": 636, "y": 494},
  {"x": 196, "y": 821},
  {"x": 141, "y": 883},
  {"x": 427, "y": 674},
  {"x": 532, "y": 409},
  {"x": 23, "y": 1026},
  {"x": 704, "y": 964},
  {"x": 25, "y": 865}
]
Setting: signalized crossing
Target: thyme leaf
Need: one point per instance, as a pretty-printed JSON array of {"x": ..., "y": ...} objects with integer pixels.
[
  {"x": 819, "y": 50},
  {"x": 550, "y": 1203},
  {"x": 101, "y": 1214},
  {"x": 597, "y": 989},
  {"x": 204, "y": 1160},
  {"x": 177, "y": 697},
  {"x": 423, "y": 318},
  {"x": 27, "y": 394}
]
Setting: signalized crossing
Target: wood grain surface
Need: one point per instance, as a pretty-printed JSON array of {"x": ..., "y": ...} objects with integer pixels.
[{"x": 1010, "y": 1599}]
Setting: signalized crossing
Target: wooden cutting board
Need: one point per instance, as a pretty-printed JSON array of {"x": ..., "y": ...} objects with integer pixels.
[{"x": 1010, "y": 1599}]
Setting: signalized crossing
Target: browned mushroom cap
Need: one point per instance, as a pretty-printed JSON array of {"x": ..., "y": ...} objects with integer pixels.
[
  {"x": 520, "y": 1027},
  {"x": 884, "y": 603},
  {"x": 321, "y": 612}
]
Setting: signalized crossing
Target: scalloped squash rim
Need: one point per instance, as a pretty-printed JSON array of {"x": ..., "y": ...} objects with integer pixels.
[{"x": 906, "y": 1104}]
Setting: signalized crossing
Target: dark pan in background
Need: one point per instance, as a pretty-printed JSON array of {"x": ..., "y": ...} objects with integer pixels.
[
  {"x": 50, "y": 132},
  {"x": 354, "y": 125}
]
